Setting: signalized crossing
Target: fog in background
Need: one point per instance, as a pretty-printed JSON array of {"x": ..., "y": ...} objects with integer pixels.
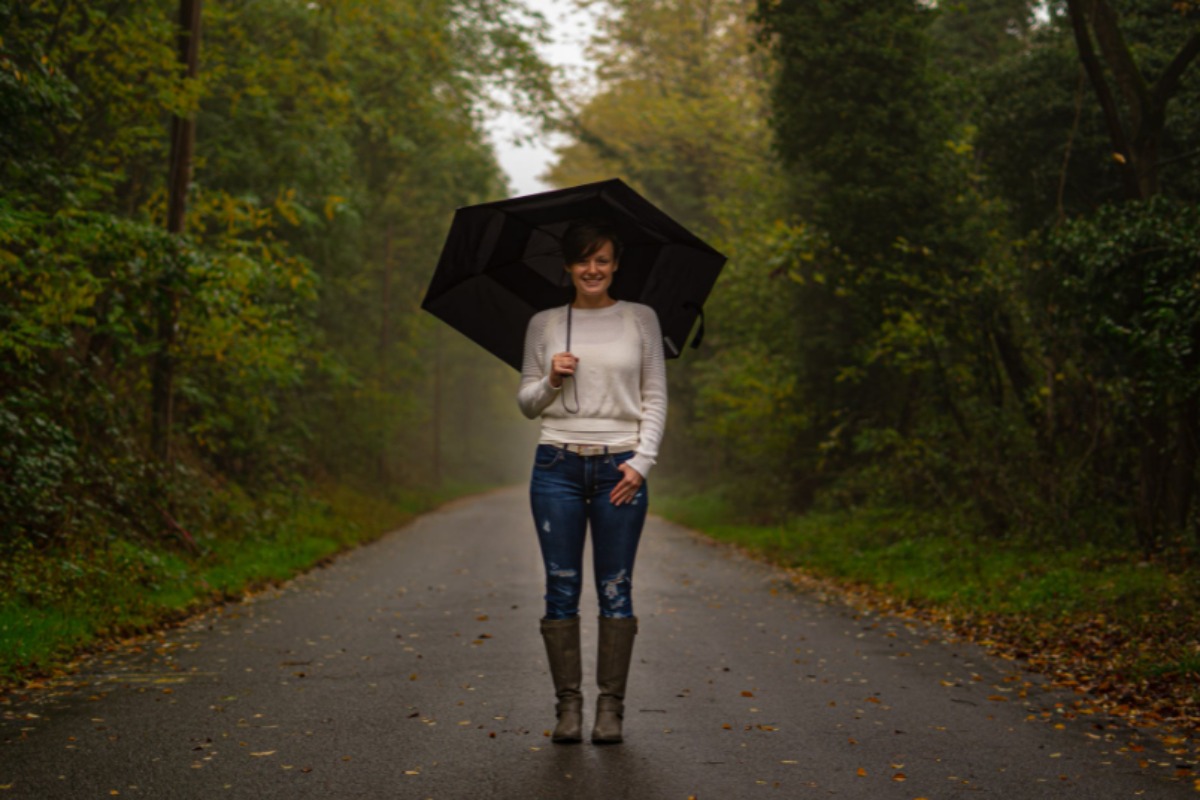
[{"x": 480, "y": 434}]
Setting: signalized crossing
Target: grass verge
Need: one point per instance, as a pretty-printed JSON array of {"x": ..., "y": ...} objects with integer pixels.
[
  {"x": 1101, "y": 620},
  {"x": 56, "y": 603}
]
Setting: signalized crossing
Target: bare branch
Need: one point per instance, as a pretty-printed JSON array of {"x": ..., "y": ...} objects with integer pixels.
[
  {"x": 1108, "y": 103},
  {"x": 1115, "y": 51},
  {"x": 1168, "y": 82}
]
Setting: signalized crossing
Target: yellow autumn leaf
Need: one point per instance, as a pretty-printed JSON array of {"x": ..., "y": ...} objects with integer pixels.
[{"x": 332, "y": 203}]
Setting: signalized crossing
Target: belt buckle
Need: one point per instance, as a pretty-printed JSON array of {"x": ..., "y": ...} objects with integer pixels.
[{"x": 589, "y": 449}]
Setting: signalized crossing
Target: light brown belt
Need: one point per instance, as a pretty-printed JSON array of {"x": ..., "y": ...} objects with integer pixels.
[{"x": 598, "y": 449}]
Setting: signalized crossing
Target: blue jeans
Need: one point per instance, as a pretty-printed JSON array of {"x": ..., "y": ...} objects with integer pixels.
[{"x": 567, "y": 492}]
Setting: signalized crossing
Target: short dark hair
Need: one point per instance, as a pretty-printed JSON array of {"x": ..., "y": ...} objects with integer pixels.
[{"x": 585, "y": 236}]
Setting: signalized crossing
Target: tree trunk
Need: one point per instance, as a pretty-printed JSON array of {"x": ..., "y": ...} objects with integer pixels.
[
  {"x": 1183, "y": 477},
  {"x": 183, "y": 136},
  {"x": 437, "y": 407},
  {"x": 1153, "y": 468}
]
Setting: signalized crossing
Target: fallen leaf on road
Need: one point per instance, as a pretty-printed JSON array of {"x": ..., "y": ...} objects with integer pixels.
[
  {"x": 899, "y": 777},
  {"x": 264, "y": 753},
  {"x": 747, "y": 694},
  {"x": 862, "y": 773},
  {"x": 998, "y": 698}
]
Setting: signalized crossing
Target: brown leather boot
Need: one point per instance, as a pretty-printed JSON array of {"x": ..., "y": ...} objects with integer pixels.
[
  {"x": 562, "y": 648},
  {"x": 612, "y": 671}
]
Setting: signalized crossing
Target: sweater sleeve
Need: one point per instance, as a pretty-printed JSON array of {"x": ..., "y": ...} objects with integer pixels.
[
  {"x": 535, "y": 392},
  {"x": 654, "y": 392}
]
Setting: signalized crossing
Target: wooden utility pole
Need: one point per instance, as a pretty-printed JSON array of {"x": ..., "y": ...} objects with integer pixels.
[
  {"x": 385, "y": 345},
  {"x": 183, "y": 138}
]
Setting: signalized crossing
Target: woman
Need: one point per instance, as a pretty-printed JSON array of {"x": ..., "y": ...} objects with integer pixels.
[{"x": 594, "y": 373}]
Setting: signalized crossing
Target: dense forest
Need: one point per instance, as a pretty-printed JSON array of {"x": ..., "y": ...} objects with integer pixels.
[
  {"x": 964, "y": 241},
  {"x": 963, "y": 277},
  {"x": 206, "y": 333}
]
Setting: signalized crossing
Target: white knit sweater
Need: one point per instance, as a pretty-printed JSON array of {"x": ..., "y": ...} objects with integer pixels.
[{"x": 621, "y": 379}]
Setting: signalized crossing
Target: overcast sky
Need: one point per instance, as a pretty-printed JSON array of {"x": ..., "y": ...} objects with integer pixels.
[{"x": 569, "y": 31}]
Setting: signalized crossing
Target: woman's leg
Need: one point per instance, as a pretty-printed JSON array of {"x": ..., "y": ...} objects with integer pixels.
[
  {"x": 616, "y": 531},
  {"x": 559, "y": 505},
  {"x": 560, "y": 515}
]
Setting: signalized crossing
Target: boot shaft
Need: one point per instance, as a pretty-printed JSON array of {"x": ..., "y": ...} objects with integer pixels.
[
  {"x": 561, "y": 637},
  {"x": 614, "y": 655}
]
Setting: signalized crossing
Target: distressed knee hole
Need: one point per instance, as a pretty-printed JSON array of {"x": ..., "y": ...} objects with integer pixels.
[{"x": 611, "y": 587}]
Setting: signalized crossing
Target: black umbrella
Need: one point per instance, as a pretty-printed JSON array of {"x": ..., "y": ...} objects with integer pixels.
[{"x": 502, "y": 263}]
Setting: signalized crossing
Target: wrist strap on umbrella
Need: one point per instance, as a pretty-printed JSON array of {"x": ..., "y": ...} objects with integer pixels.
[{"x": 574, "y": 386}]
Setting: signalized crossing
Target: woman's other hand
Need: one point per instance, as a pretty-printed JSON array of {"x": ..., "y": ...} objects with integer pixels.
[
  {"x": 627, "y": 487},
  {"x": 562, "y": 365}
]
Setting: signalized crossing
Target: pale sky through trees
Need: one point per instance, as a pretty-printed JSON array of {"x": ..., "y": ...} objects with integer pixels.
[{"x": 523, "y": 163}]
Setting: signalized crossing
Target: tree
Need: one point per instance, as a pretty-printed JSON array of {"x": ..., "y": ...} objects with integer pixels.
[{"x": 1136, "y": 131}]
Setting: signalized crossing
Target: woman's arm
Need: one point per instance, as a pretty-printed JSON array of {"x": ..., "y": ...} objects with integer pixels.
[
  {"x": 654, "y": 392},
  {"x": 535, "y": 392}
]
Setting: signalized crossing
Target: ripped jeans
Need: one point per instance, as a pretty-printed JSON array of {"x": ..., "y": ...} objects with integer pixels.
[{"x": 567, "y": 492}]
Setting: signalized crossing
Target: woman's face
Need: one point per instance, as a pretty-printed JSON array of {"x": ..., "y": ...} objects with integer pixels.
[{"x": 593, "y": 274}]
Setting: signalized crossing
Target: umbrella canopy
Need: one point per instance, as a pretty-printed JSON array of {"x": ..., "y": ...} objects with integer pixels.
[{"x": 502, "y": 263}]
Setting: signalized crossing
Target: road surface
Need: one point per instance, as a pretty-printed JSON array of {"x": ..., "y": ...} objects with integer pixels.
[{"x": 413, "y": 668}]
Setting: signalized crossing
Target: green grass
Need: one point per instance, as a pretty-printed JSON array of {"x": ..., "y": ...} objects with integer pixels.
[
  {"x": 1147, "y": 611},
  {"x": 56, "y": 604}
]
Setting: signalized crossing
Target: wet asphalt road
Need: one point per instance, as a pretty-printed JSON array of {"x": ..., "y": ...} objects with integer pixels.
[{"x": 413, "y": 668}]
